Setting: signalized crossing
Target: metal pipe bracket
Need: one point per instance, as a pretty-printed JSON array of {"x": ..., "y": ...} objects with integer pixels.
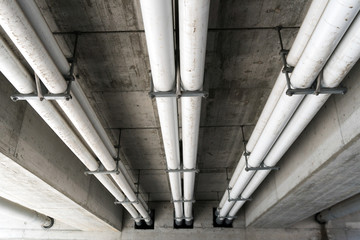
[{"x": 316, "y": 87}]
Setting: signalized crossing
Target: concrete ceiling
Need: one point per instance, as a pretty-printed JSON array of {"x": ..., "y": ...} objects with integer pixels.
[{"x": 242, "y": 63}]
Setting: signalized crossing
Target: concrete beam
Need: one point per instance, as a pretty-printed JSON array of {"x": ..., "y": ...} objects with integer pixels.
[
  {"x": 203, "y": 227},
  {"x": 38, "y": 171},
  {"x": 319, "y": 170}
]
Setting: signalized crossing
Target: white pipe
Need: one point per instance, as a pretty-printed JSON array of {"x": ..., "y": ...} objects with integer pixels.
[
  {"x": 193, "y": 24},
  {"x": 16, "y": 211},
  {"x": 38, "y": 23},
  {"x": 335, "y": 20},
  {"x": 18, "y": 28},
  {"x": 158, "y": 24},
  {"x": 312, "y": 17},
  {"x": 41, "y": 28},
  {"x": 343, "y": 59},
  {"x": 16, "y": 73}
]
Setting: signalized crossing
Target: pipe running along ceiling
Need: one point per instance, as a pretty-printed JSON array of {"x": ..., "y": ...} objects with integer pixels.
[{"x": 326, "y": 47}]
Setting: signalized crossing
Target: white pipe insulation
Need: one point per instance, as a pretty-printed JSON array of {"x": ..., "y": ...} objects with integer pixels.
[
  {"x": 342, "y": 60},
  {"x": 158, "y": 24},
  {"x": 193, "y": 26},
  {"x": 333, "y": 23},
  {"x": 43, "y": 31},
  {"x": 16, "y": 73},
  {"x": 311, "y": 19},
  {"x": 16, "y": 211},
  {"x": 17, "y": 27}
]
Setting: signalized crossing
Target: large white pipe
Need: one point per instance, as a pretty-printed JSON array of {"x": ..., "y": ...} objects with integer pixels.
[
  {"x": 334, "y": 22},
  {"x": 158, "y": 24},
  {"x": 343, "y": 59},
  {"x": 15, "y": 72},
  {"x": 43, "y": 31},
  {"x": 193, "y": 24},
  {"x": 311, "y": 19},
  {"x": 16, "y": 211},
  {"x": 18, "y": 28}
]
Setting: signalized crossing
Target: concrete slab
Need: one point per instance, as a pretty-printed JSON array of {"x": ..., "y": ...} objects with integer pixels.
[
  {"x": 143, "y": 148},
  {"x": 115, "y": 61},
  {"x": 104, "y": 15},
  {"x": 258, "y": 13},
  {"x": 126, "y": 109}
]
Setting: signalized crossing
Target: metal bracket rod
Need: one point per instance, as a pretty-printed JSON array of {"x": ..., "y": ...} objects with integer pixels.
[
  {"x": 236, "y": 199},
  {"x": 49, "y": 96},
  {"x": 316, "y": 90},
  {"x": 338, "y": 90},
  {"x": 101, "y": 170},
  {"x": 177, "y": 91},
  {"x": 262, "y": 166},
  {"x": 171, "y": 94},
  {"x": 246, "y": 154},
  {"x": 203, "y": 94},
  {"x": 126, "y": 201},
  {"x": 39, "y": 95}
]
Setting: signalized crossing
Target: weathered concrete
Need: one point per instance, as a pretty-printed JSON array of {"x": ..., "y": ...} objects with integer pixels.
[
  {"x": 203, "y": 227},
  {"x": 319, "y": 170},
  {"x": 347, "y": 227},
  {"x": 39, "y": 172},
  {"x": 242, "y": 63}
]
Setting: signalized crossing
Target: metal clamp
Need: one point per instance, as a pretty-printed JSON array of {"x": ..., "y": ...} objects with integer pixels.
[
  {"x": 262, "y": 166},
  {"x": 126, "y": 201},
  {"x": 38, "y": 94},
  {"x": 238, "y": 199},
  {"x": 175, "y": 93},
  {"x": 154, "y": 94},
  {"x": 203, "y": 94},
  {"x": 102, "y": 170},
  {"x": 315, "y": 89}
]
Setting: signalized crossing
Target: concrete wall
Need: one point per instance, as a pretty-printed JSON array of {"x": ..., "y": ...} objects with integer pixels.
[
  {"x": 319, "y": 170},
  {"x": 38, "y": 171}
]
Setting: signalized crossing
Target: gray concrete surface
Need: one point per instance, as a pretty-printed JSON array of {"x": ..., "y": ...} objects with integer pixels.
[
  {"x": 38, "y": 171},
  {"x": 242, "y": 63},
  {"x": 203, "y": 228},
  {"x": 320, "y": 169}
]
